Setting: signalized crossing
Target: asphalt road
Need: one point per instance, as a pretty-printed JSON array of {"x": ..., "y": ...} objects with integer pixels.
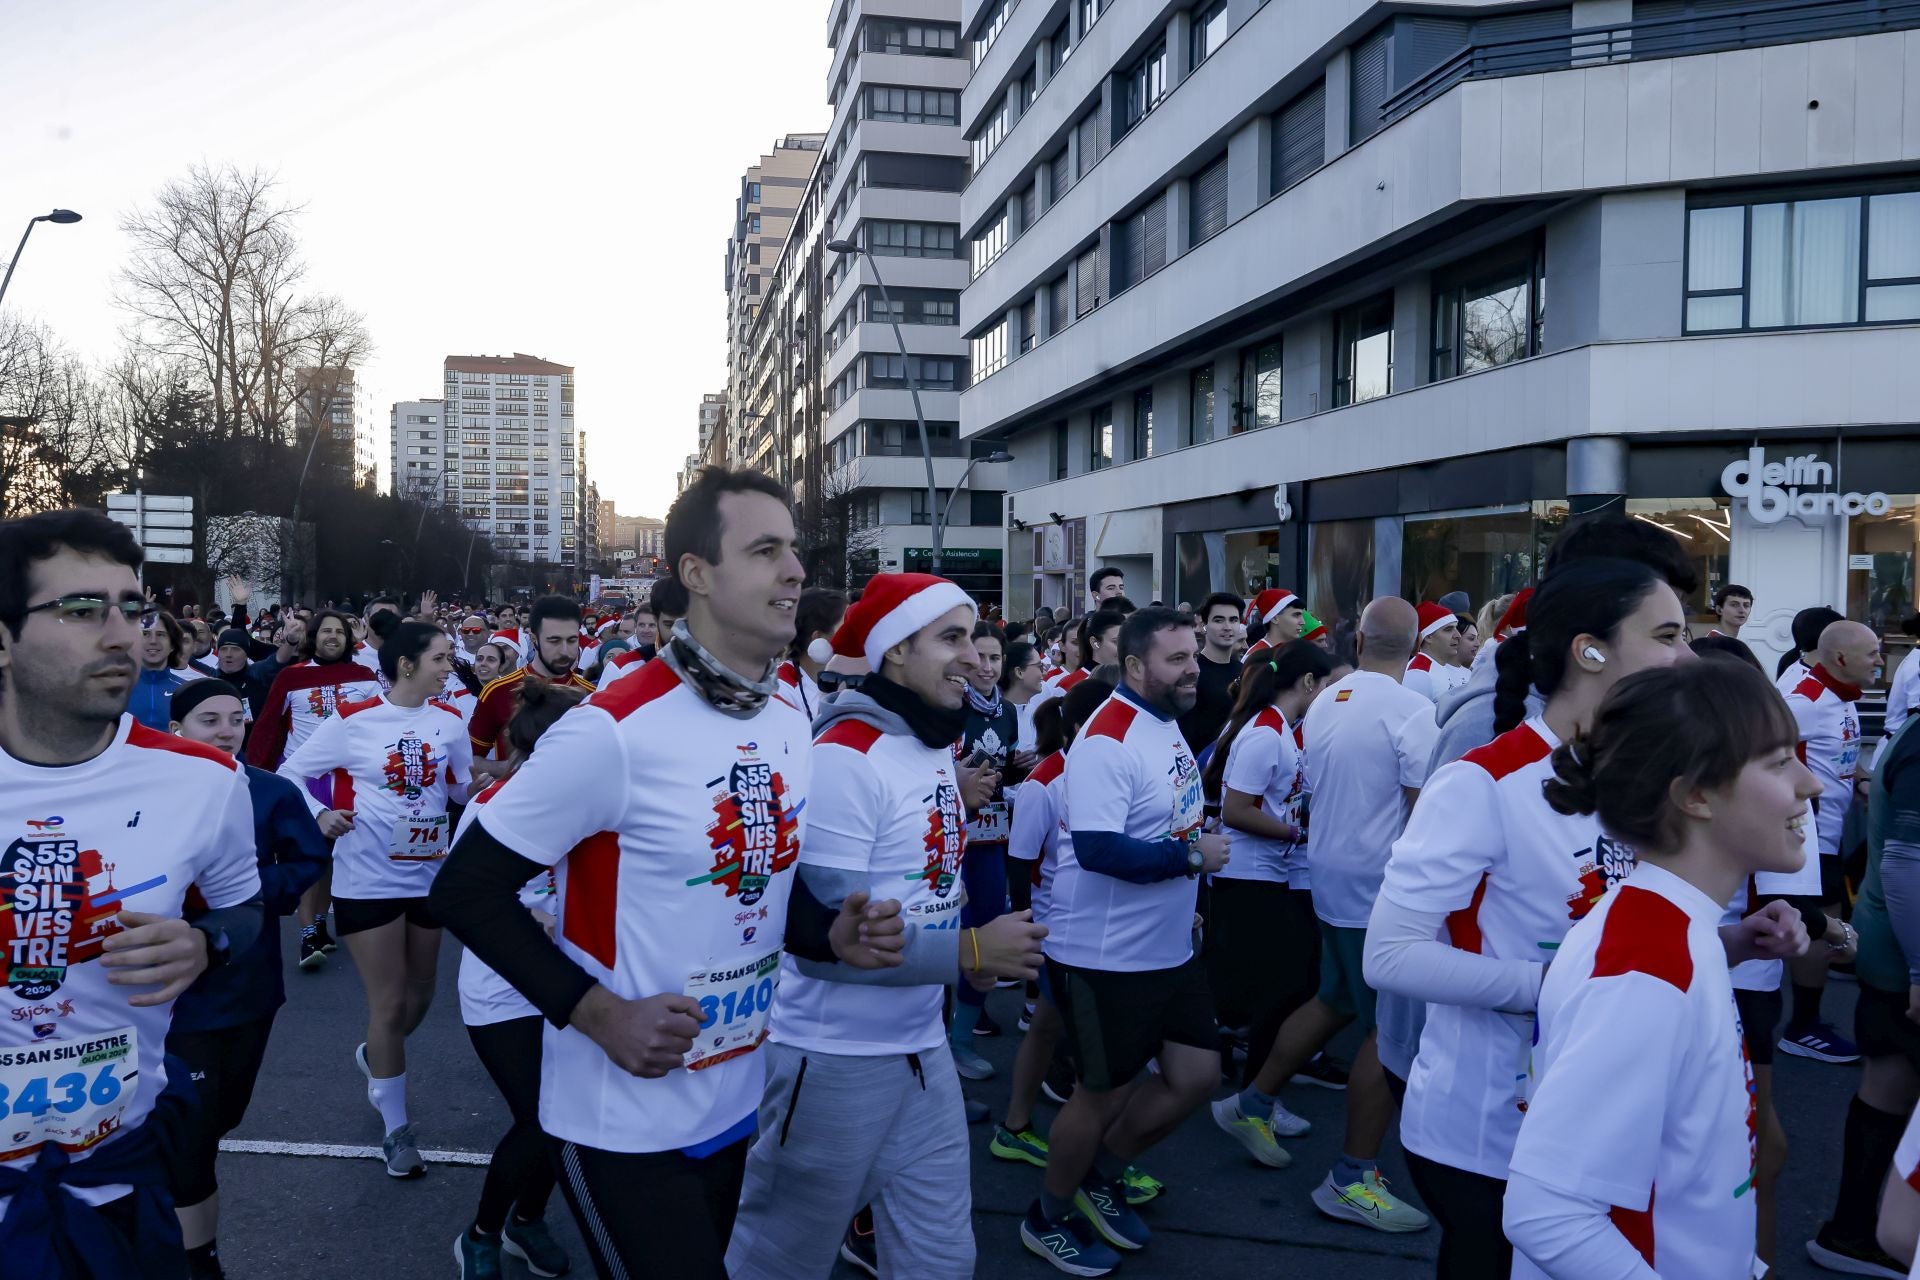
[{"x": 296, "y": 1215}]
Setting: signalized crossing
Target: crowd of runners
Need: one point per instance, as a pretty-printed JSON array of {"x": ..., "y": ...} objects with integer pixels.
[{"x": 734, "y": 869}]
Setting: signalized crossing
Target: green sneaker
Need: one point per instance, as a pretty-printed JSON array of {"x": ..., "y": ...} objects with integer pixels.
[
  {"x": 1140, "y": 1187},
  {"x": 1026, "y": 1145},
  {"x": 1255, "y": 1133},
  {"x": 1369, "y": 1203}
]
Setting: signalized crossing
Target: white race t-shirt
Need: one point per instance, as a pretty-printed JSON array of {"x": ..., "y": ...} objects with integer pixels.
[
  {"x": 1130, "y": 772},
  {"x": 1368, "y": 737},
  {"x": 1484, "y": 846},
  {"x": 136, "y": 827},
  {"x": 1264, "y": 762},
  {"x": 620, "y": 666},
  {"x": 1039, "y": 813},
  {"x": 886, "y": 806},
  {"x": 799, "y": 688},
  {"x": 485, "y": 996},
  {"x": 1906, "y": 1166},
  {"x": 674, "y": 830},
  {"x": 308, "y": 708},
  {"x": 1829, "y": 723},
  {"x": 1427, "y": 677},
  {"x": 1645, "y": 1100},
  {"x": 393, "y": 767}
]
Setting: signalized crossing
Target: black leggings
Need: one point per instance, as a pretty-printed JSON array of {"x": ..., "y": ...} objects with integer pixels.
[
  {"x": 1262, "y": 953},
  {"x": 1473, "y": 1241},
  {"x": 520, "y": 1176},
  {"x": 655, "y": 1214}
]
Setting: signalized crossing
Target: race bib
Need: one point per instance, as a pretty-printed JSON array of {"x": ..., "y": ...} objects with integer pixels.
[
  {"x": 993, "y": 824},
  {"x": 418, "y": 839},
  {"x": 71, "y": 1092},
  {"x": 734, "y": 1003}
]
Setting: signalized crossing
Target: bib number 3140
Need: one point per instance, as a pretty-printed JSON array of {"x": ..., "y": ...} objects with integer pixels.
[{"x": 734, "y": 1004}]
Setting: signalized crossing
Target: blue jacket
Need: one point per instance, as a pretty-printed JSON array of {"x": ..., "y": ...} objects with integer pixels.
[
  {"x": 152, "y": 700},
  {"x": 292, "y": 854}
]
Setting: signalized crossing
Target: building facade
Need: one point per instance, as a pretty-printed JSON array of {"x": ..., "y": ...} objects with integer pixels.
[
  {"x": 417, "y": 443},
  {"x": 843, "y": 340},
  {"x": 1260, "y": 292},
  {"x": 511, "y": 457},
  {"x": 711, "y": 446},
  {"x": 336, "y": 399},
  {"x": 763, "y": 213}
]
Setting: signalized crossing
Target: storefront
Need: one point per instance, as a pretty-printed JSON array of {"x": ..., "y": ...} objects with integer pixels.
[{"x": 976, "y": 570}]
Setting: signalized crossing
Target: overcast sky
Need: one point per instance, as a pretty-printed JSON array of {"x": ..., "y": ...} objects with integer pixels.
[{"x": 479, "y": 176}]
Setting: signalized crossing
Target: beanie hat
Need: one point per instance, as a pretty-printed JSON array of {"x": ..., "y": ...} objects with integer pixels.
[
  {"x": 1269, "y": 604},
  {"x": 194, "y": 692},
  {"x": 892, "y": 607},
  {"x": 1311, "y": 628},
  {"x": 233, "y": 635},
  {"x": 1435, "y": 617},
  {"x": 1458, "y": 601}
]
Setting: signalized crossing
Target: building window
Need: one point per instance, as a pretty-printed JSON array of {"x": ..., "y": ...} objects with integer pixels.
[
  {"x": 1061, "y": 177},
  {"x": 912, "y": 306},
  {"x": 1059, "y": 451},
  {"x": 912, "y": 106},
  {"x": 1261, "y": 385},
  {"x": 1058, "y": 47},
  {"x": 1140, "y": 244},
  {"x": 912, "y": 239},
  {"x": 931, "y": 373},
  {"x": 1089, "y": 134},
  {"x": 1489, "y": 312},
  {"x": 1300, "y": 137},
  {"x": 1367, "y": 83},
  {"x": 1363, "y": 351},
  {"x": 1100, "y": 455},
  {"x": 753, "y": 223},
  {"x": 990, "y": 30},
  {"x": 1209, "y": 31},
  {"x": 1209, "y": 213},
  {"x": 992, "y": 134},
  {"x": 1200, "y": 404},
  {"x": 900, "y": 439},
  {"x": 1143, "y": 85},
  {"x": 1028, "y": 319},
  {"x": 1799, "y": 263},
  {"x": 1088, "y": 286},
  {"x": 990, "y": 244},
  {"x": 984, "y": 507},
  {"x": 1058, "y": 310},
  {"x": 1143, "y": 423},
  {"x": 931, "y": 39},
  {"x": 989, "y": 351}
]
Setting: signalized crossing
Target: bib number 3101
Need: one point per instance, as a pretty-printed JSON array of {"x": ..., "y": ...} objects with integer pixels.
[{"x": 734, "y": 1003}]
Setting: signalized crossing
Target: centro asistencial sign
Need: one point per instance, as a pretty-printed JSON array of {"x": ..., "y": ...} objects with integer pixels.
[{"x": 1793, "y": 486}]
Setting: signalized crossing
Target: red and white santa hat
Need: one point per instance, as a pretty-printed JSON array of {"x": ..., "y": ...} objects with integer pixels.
[
  {"x": 1270, "y": 604},
  {"x": 892, "y": 607},
  {"x": 1435, "y": 617},
  {"x": 1514, "y": 620}
]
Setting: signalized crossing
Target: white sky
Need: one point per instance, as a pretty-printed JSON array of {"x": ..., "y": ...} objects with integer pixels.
[{"x": 548, "y": 176}]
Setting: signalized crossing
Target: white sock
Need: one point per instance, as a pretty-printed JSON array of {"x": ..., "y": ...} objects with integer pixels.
[{"x": 388, "y": 1095}]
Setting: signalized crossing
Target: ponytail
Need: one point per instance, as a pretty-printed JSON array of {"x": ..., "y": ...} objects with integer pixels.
[
  {"x": 1513, "y": 680},
  {"x": 1260, "y": 686}
]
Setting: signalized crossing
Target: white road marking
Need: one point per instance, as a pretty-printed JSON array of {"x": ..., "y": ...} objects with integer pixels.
[{"x": 336, "y": 1151}]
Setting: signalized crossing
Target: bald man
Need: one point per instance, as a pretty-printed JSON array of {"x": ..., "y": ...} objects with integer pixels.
[
  {"x": 473, "y": 633},
  {"x": 1368, "y": 741},
  {"x": 1825, "y": 706}
]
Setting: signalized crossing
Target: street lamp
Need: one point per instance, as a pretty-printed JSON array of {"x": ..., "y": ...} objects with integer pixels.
[
  {"x": 913, "y": 386},
  {"x": 998, "y": 455},
  {"x": 62, "y": 216}
]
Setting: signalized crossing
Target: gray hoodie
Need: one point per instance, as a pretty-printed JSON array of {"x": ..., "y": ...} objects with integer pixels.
[{"x": 1466, "y": 715}]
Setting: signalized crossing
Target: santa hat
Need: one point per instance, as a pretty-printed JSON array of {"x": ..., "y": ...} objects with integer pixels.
[
  {"x": 892, "y": 607},
  {"x": 1311, "y": 628},
  {"x": 1435, "y": 617},
  {"x": 1514, "y": 620},
  {"x": 1270, "y": 604}
]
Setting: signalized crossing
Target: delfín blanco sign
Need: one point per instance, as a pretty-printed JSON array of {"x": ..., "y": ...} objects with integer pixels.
[{"x": 1794, "y": 486}]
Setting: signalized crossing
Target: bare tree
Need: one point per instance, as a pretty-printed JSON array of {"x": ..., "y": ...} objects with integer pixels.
[
  {"x": 52, "y": 442},
  {"x": 839, "y": 529}
]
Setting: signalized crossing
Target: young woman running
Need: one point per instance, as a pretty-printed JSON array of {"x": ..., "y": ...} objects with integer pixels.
[
  {"x": 815, "y": 618},
  {"x": 505, "y": 1030},
  {"x": 1263, "y": 941},
  {"x": 396, "y": 761},
  {"x": 1021, "y": 676},
  {"x": 1637, "y": 1154}
]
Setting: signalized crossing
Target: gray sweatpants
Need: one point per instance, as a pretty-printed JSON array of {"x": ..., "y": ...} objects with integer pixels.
[{"x": 839, "y": 1132}]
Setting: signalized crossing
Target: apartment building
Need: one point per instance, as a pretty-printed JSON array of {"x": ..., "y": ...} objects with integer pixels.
[
  {"x": 1260, "y": 293},
  {"x": 763, "y": 212},
  {"x": 511, "y": 456},
  {"x": 336, "y": 399},
  {"x": 711, "y": 439},
  {"x": 843, "y": 341},
  {"x": 417, "y": 451}
]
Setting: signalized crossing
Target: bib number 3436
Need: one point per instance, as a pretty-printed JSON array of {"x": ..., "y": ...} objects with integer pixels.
[{"x": 69, "y": 1092}]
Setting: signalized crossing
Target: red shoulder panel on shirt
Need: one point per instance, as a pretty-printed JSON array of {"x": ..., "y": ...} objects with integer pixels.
[
  {"x": 1112, "y": 720},
  {"x": 1270, "y": 718},
  {"x": 447, "y": 707},
  {"x": 856, "y": 735},
  {"x": 489, "y": 791},
  {"x": 154, "y": 740},
  {"x": 627, "y": 695},
  {"x": 1644, "y": 933},
  {"x": 346, "y": 709},
  {"x": 1512, "y": 751},
  {"x": 1421, "y": 662},
  {"x": 1049, "y": 769},
  {"x": 1810, "y": 689},
  {"x": 789, "y": 675}
]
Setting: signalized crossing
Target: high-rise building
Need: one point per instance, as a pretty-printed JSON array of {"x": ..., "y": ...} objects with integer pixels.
[
  {"x": 826, "y": 401},
  {"x": 338, "y": 400},
  {"x": 515, "y": 476},
  {"x": 1261, "y": 294},
  {"x": 763, "y": 212},
  {"x": 418, "y": 453}
]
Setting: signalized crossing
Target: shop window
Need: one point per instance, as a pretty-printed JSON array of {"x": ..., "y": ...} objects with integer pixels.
[
  {"x": 1363, "y": 351},
  {"x": 1245, "y": 562},
  {"x": 1485, "y": 553},
  {"x": 1880, "y": 587},
  {"x": 1489, "y": 312},
  {"x": 1703, "y": 529},
  {"x": 1261, "y": 379}
]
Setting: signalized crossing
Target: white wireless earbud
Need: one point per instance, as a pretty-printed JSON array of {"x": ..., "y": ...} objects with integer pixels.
[
  {"x": 820, "y": 650},
  {"x": 1594, "y": 656}
]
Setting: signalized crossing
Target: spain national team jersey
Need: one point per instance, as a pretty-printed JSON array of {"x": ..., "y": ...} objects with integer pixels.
[
  {"x": 1513, "y": 875},
  {"x": 135, "y": 828},
  {"x": 1265, "y": 763},
  {"x": 1129, "y": 772},
  {"x": 885, "y": 806},
  {"x": 1645, "y": 1101},
  {"x": 674, "y": 830},
  {"x": 393, "y": 768}
]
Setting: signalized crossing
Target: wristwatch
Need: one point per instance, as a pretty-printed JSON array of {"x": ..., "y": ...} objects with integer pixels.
[
  {"x": 1195, "y": 863},
  {"x": 219, "y": 949}
]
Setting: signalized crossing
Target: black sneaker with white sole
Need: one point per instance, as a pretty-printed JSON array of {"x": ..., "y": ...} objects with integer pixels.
[
  {"x": 1852, "y": 1258},
  {"x": 1819, "y": 1042},
  {"x": 1322, "y": 1072},
  {"x": 311, "y": 956},
  {"x": 857, "y": 1245}
]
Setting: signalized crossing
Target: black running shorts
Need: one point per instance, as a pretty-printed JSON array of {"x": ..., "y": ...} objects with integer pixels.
[
  {"x": 357, "y": 915},
  {"x": 1116, "y": 1022}
]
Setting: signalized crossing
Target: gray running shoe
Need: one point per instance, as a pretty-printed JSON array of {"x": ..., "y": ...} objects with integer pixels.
[
  {"x": 402, "y": 1151},
  {"x": 534, "y": 1245}
]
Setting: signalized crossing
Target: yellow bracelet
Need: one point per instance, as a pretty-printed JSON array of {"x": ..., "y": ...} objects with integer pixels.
[{"x": 976, "y": 949}]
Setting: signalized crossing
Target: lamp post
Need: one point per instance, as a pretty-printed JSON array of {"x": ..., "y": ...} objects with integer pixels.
[
  {"x": 913, "y": 386},
  {"x": 998, "y": 455},
  {"x": 62, "y": 216}
]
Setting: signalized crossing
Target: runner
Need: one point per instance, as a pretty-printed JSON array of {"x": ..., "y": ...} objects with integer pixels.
[
  {"x": 1280, "y": 614},
  {"x": 373, "y": 634},
  {"x": 1733, "y": 604},
  {"x": 1637, "y": 1154},
  {"x": 221, "y": 1023},
  {"x": 990, "y": 742},
  {"x": 1797, "y": 663},
  {"x": 491, "y": 661},
  {"x": 1097, "y": 637},
  {"x": 1368, "y": 740},
  {"x": 304, "y": 696},
  {"x": 1120, "y": 959},
  {"x": 1263, "y": 941},
  {"x": 1020, "y": 679},
  {"x": 505, "y": 1031},
  {"x": 1219, "y": 668},
  {"x": 95, "y": 948},
  {"x": 1439, "y": 645},
  {"x": 819, "y": 614},
  {"x": 670, "y": 915},
  {"x": 1107, "y": 583},
  {"x": 553, "y": 628},
  {"x": 158, "y": 652},
  {"x": 1824, "y": 705},
  {"x": 397, "y": 762}
]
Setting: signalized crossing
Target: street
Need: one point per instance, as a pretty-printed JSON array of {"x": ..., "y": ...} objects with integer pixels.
[{"x": 295, "y": 1214}]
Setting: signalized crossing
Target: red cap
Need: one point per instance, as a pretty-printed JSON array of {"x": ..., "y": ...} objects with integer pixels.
[
  {"x": 892, "y": 607},
  {"x": 1514, "y": 620}
]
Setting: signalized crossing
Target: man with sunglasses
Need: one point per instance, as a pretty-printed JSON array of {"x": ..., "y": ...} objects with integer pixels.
[{"x": 109, "y": 827}]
